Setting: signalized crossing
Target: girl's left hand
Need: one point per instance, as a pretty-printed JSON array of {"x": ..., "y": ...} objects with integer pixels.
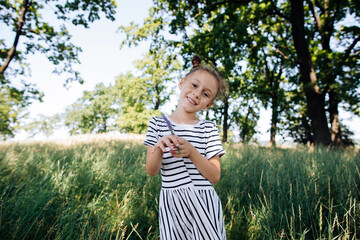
[{"x": 185, "y": 149}]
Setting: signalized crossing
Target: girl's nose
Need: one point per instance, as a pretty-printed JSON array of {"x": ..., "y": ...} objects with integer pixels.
[{"x": 196, "y": 93}]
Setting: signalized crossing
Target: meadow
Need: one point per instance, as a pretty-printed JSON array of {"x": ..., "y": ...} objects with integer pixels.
[{"x": 100, "y": 190}]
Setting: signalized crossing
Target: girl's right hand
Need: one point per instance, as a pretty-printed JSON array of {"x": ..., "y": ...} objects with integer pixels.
[{"x": 170, "y": 141}]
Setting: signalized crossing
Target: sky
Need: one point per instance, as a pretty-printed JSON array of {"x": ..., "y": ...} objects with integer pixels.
[{"x": 102, "y": 61}]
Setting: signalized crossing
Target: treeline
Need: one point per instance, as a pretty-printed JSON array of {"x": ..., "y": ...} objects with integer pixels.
[
  {"x": 298, "y": 58},
  {"x": 124, "y": 106}
]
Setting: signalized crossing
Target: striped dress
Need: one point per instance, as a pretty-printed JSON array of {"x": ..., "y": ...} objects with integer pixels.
[{"x": 189, "y": 207}]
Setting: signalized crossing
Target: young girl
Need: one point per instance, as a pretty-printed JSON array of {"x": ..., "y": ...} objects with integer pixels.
[{"x": 189, "y": 207}]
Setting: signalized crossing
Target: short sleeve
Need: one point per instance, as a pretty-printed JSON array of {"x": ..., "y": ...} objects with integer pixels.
[
  {"x": 152, "y": 133},
  {"x": 213, "y": 145}
]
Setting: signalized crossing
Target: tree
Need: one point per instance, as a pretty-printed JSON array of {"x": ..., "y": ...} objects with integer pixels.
[
  {"x": 12, "y": 104},
  {"x": 135, "y": 102},
  {"x": 44, "y": 124},
  {"x": 27, "y": 32},
  {"x": 141, "y": 97},
  {"x": 314, "y": 96},
  {"x": 270, "y": 62},
  {"x": 335, "y": 64},
  {"x": 333, "y": 67},
  {"x": 95, "y": 112},
  {"x": 157, "y": 70}
]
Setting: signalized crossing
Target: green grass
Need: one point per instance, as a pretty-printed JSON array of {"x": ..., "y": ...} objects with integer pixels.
[{"x": 100, "y": 190}]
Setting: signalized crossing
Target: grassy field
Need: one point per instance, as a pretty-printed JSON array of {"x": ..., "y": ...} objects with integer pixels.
[{"x": 100, "y": 190}]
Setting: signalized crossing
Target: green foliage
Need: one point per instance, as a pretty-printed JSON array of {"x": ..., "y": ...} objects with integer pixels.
[
  {"x": 141, "y": 97},
  {"x": 158, "y": 69},
  {"x": 94, "y": 112},
  {"x": 135, "y": 96},
  {"x": 100, "y": 190},
  {"x": 13, "y": 103}
]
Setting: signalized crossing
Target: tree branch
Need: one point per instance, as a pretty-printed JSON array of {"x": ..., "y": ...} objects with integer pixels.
[
  {"x": 315, "y": 15},
  {"x": 281, "y": 53},
  {"x": 19, "y": 27},
  {"x": 351, "y": 47},
  {"x": 334, "y": 17}
]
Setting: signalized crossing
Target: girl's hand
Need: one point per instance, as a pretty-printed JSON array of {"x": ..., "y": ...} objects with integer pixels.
[
  {"x": 170, "y": 141},
  {"x": 185, "y": 148}
]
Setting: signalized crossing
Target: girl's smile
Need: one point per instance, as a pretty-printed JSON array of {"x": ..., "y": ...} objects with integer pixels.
[{"x": 191, "y": 100}]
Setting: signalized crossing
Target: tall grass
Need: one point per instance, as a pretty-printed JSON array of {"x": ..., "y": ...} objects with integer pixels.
[
  {"x": 100, "y": 190},
  {"x": 290, "y": 194}
]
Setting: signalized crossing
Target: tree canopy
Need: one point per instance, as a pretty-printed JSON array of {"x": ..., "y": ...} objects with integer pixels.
[{"x": 298, "y": 55}]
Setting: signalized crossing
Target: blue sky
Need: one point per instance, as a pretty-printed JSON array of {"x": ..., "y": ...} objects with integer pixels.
[{"x": 101, "y": 61}]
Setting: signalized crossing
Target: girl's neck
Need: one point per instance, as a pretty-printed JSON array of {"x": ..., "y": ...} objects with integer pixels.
[{"x": 183, "y": 118}]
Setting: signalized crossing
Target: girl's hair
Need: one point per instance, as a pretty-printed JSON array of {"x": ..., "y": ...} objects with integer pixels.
[{"x": 197, "y": 66}]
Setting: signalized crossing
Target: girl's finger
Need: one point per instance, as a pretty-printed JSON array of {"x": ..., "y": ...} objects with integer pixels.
[
  {"x": 163, "y": 147},
  {"x": 168, "y": 143},
  {"x": 160, "y": 145},
  {"x": 175, "y": 140}
]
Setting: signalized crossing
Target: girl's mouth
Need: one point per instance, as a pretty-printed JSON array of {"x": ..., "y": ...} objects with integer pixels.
[{"x": 191, "y": 101}]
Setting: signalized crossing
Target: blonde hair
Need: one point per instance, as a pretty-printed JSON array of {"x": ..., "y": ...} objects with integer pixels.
[{"x": 197, "y": 66}]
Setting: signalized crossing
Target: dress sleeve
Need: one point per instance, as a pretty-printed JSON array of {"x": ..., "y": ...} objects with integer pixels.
[
  {"x": 152, "y": 133},
  {"x": 213, "y": 145}
]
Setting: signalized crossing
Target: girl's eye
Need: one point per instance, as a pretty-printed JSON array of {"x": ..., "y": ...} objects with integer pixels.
[
  {"x": 194, "y": 85},
  {"x": 206, "y": 95}
]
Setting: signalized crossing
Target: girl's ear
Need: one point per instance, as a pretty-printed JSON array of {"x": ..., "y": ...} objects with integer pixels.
[{"x": 181, "y": 83}]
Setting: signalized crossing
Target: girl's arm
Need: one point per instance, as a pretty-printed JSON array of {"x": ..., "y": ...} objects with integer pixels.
[
  {"x": 153, "y": 160},
  {"x": 155, "y": 154},
  {"x": 210, "y": 169}
]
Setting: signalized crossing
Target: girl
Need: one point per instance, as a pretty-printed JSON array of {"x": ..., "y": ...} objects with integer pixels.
[{"x": 189, "y": 207}]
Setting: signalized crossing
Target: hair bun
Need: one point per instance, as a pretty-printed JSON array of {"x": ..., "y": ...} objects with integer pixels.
[{"x": 196, "y": 61}]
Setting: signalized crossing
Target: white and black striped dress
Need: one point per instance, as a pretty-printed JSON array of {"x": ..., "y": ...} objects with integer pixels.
[{"x": 189, "y": 207}]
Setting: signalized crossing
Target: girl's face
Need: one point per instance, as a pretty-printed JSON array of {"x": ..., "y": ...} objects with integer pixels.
[{"x": 198, "y": 91}]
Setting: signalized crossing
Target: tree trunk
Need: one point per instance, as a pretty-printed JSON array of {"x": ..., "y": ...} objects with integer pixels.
[
  {"x": 275, "y": 87},
  {"x": 315, "y": 99},
  {"x": 326, "y": 29},
  {"x": 336, "y": 139},
  {"x": 157, "y": 97},
  {"x": 225, "y": 122},
  {"x": 274, "y": 119},
  {"x": 244, "y": 133}
]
